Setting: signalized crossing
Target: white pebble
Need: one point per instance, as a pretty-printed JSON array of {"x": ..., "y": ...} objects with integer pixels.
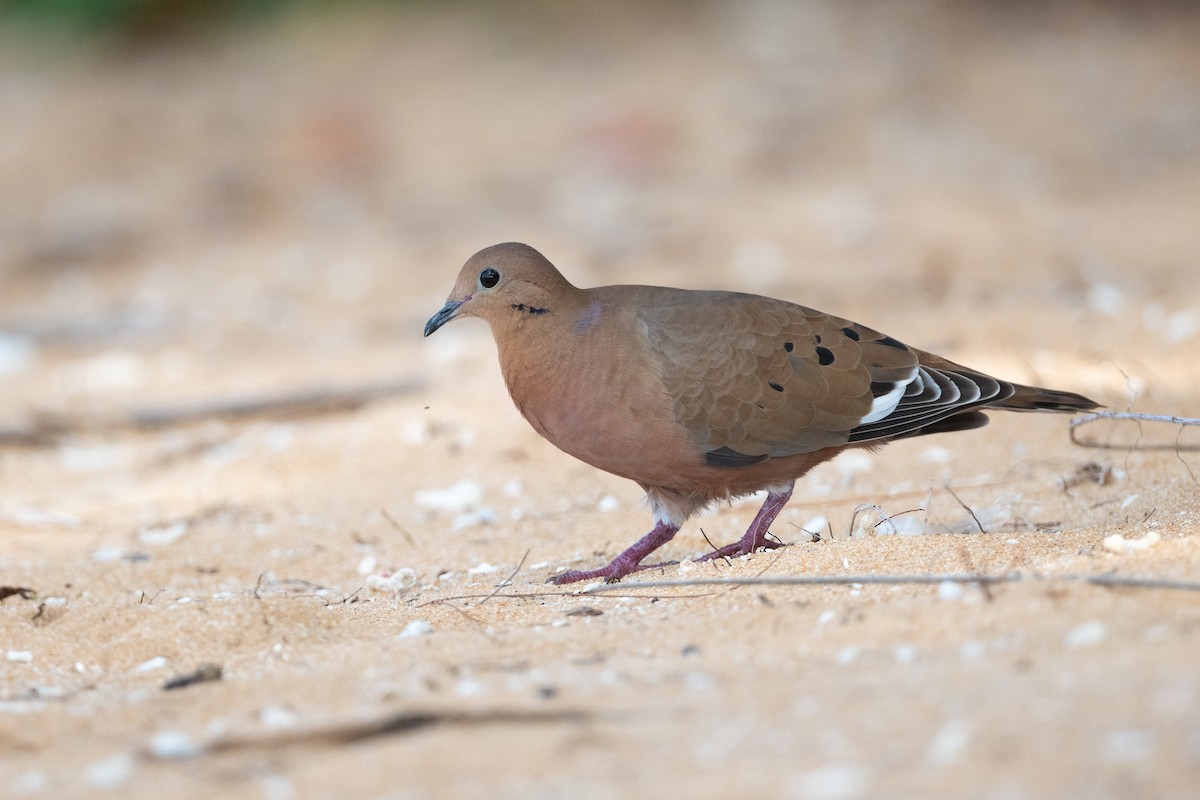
[
  {"x": 111, "y": 772},
  {"x": 162, "y": 534},
  {"x": 971, "y": 650},
  {"x": 827, "y": 616},
  {"x": 1086, "y": 635},
  {"x": 817, "y": 525},
  {"x": 97, "y": 458},
  {"x": 848, "y": 655},
  {"x": 16, "y": 353},
  {"x": 540, "y": 565},
  {"x": 394, "y": 582},
  {"x": 1105, "y": 298},
  {"x": 174, "y": 744},
  {"x": 418, "y": 627},
  {"x": 948, "y": 743},
  {"x": 462, "y": 496},
  {"x": 472, "y": 518},
  {"x": 158, "y": 662},
  {"x": 41, "y": 516},
  {"x": 936, "y": 455},
  {"x": 31, "y": 782},
  {"x": 1158, "y": 632},
  {"x": 1120, "y": 545},
  {"x": 276, "y": 787},
  {"x": 904, "y": 653},
  {"x": 1127, "y": 745},
  {"x": 949, "y": 590},
  {"x": 417, "y": 432},
  {"x": 1181, "y": 325},
  {"x": 278, "y": 717},
  {"x": 833, "y": 782},
  {"x": 482, "y": 568},
  {"x": 107, "y": 555},
  {"x": 608, "y": 503},
  {"x": 23, "y": 656},
  {"x": 367, "y": 565},
  {"x": 853, "y": 462}
]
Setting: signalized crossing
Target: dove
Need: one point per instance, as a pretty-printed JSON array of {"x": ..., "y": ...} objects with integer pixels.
[{"x": 703, "y": 396}]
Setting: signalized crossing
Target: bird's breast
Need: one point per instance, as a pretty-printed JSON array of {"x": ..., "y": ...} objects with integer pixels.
[{"x": 601, "y": 400}]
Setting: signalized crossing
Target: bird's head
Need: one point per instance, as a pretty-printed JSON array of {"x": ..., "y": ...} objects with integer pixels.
[{"x": 504, "y": 283}]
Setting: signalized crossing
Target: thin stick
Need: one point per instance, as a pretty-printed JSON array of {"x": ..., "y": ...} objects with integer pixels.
[
  {"x": 506, "y": 582},
  {"x": 978, "y": 524},
  {"x": 809, "y": 580},
  {"x": 835, "y": 580},
  {"x": 1084, "y": 419}
]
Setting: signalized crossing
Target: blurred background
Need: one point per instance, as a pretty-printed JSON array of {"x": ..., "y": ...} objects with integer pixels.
[
  {"x": 232, "y": 195},
  {"x": 209, "y": 201}
]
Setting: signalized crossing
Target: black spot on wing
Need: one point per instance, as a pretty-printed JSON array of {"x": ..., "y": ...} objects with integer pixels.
[
  {"x": 888, "y": 341},
  {"x": 727, "y": 458},
  {"x": 775, "y": 386},
  {"x": 789, "y": 346},
  {"x": 824, "y": 356},
  {"x": 851, "y": 333}
]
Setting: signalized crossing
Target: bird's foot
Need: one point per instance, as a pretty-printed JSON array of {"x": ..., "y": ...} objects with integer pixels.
[
  {"x": 628, "y": 562},
  {"x": 756, "y": 534},
  {"x": 610, "y": 574},
  {"x": 742, "y": 547}
]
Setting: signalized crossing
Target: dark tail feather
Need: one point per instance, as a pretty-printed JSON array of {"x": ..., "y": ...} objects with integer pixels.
[
  {"x": 1034, "y": 398},
  {"x": 963, "y": 421}
]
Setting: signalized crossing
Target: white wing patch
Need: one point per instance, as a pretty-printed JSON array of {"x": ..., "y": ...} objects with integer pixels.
[{"x": 886, "y": 403}]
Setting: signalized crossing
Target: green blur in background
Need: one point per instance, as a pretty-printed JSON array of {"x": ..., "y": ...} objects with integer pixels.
[{"x": 146, "y": 19}]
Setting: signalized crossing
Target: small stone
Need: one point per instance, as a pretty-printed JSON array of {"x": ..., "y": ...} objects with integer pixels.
[
  {"x": 950, "y": 590},
  {"x": 111, "y": 772},
  {"x": 158, "y": 662},
  {"x": 832, "y": 782},
  {"x": 418, "y": 627},
  {"x": 1086, "y": 635},
  {"x": 462, "y": 496},
  {"x": 608, "y": 503},
  {"x": 848, "y": 655},
  {"x": 162, "y": 534},
  {"x": 1120, "y": 545},
  {"x": 174, "y": 744}
]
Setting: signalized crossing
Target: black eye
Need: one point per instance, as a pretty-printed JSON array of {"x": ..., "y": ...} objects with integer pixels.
[{"x": 489, "y": 278}]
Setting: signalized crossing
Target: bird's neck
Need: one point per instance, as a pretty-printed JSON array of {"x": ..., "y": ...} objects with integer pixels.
[{"x": 540, "y": 351}]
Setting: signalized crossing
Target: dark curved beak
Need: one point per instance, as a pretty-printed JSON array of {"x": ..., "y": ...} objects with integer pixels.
[{"x": 444, "y": 315}]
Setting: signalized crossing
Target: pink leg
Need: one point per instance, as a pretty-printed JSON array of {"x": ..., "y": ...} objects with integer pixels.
[
  {"x": 756, "y": 534},
  {"x": 629, "y": 561}
]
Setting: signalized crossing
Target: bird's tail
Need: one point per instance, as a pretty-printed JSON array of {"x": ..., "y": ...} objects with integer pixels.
[{"x": 1035, "y": 398}]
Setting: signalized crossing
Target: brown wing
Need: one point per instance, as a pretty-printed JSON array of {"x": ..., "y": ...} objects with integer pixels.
[{"x": 753, "y": 378}]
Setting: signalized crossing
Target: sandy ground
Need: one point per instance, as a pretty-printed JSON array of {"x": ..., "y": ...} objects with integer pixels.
[{"x": 267, "y": 211}]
